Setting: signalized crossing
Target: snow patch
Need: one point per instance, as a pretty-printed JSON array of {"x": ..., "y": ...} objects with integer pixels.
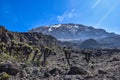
[
  {"x": 76, "y": 26},
  {"x": 58, "y": 25},
  {"x": 73, "y": 31},
  {"x": 50, "y": 29},
  {"x": 55, "y": 26}
]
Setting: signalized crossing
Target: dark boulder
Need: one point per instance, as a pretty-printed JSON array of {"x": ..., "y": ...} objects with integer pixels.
[
  {"x": 47, "y": 74},
  {"x": 115, "y": 59},
  {"x": 55, "y": 71},
  {"x": 75, "y": 70},
  {"x": 9, "y": 68},
  {"x": 101, "y": 72}
]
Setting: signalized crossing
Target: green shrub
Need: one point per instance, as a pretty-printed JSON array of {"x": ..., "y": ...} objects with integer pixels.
[
  {"x": 47, "y": 47},
  {"x": 4, "y": 76},
  {"x": 27, "y": 46},
  {"x": 5, "y": 57}
]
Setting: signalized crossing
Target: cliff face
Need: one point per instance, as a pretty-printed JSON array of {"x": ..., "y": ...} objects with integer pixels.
[{"x": 30, "y": 37}]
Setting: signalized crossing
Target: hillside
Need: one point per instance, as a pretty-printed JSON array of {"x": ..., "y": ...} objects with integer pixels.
[
  {"x": 35, "y": 56},
  {"x": 90, "y": 43},
  {"x": 33, "y": 38}
]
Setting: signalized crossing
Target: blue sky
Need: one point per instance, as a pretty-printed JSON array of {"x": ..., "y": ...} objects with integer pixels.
[{"x": 22, "y": 15}]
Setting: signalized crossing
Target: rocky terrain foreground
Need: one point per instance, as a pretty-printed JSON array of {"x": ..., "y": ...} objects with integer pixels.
[
  {"x": 34, "y": 56},
  {"x": 100, "y": 67}
]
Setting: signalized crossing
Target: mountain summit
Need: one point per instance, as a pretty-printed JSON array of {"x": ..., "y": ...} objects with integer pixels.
[{"x": 72, "y": 31}]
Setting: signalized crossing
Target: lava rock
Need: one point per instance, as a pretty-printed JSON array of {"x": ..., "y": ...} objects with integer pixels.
[
  {"x": 101, "y": 72},
  {"x": 75, "y": 70},
  {"x": 9, "y": 68},
  {"x": 55, "y": 71}
]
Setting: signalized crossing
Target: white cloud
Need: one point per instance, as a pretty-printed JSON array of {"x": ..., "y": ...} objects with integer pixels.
[
  {"x": 96, "y": 3},
  {"x": 60, "y": 18},
  {"x": 66, "y": 15}
]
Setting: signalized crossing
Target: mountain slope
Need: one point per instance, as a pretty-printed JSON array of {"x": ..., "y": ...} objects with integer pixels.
[
  {"x": 90, "y": 43},
  {"x": 77, "y": 33},
  {"x": 72, "y": 31},
  {"x": 34, "y": 38}
]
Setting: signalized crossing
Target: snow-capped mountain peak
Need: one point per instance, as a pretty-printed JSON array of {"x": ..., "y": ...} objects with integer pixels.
[{"x": 72, "y": 31}]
